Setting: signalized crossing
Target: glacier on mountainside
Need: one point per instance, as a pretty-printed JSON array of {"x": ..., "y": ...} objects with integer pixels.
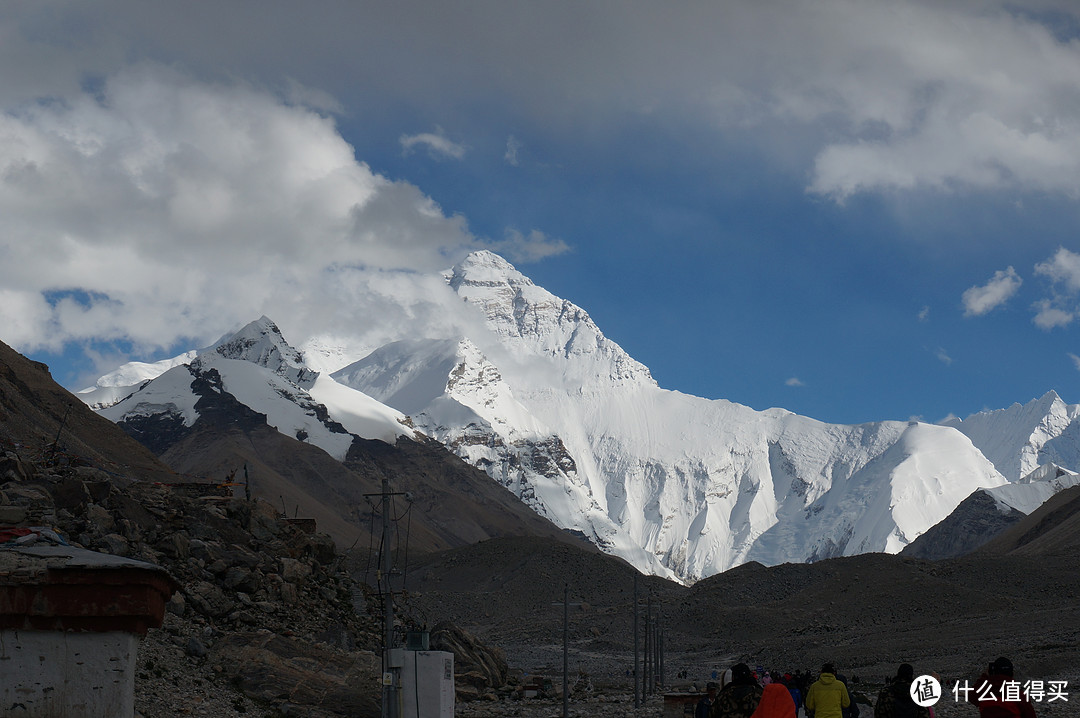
[
  {"x": 116, "y": 385},
  {"x": 454, "y": 394},
  {"x": 699, "y": 485},
  {"x": 1021, "y": 438},
  {"x": 533, "y": 393}
]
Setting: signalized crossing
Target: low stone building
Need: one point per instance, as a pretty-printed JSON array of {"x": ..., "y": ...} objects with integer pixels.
[{"x": 70, "y": 622}]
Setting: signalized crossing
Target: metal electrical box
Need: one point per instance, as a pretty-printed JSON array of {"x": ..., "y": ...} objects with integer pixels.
[{"x": 427, "y": 684}]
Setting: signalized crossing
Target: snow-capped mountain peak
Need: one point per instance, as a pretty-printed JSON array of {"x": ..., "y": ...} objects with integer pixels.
[
  {"x": 261, "y": 343},
  {"x": 536, "y": 396},
  {"x": 484, "y": 267},
  {"x": 1023, "y": 437},
  {"x": 531, "y": 322},
  {"x": 261, "y": 370}
]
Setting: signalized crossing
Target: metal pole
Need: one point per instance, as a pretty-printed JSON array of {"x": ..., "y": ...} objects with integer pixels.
[
  {"x": 659, "y": 632},
  {"x": 389, "y": 706},
  {"x": 647, "y": 688},
  {"x": 566, "y": 651},
  {"x": 661, "y": 654},
  {"x": 656, "y": 648},
  {"x": 637, "y": 686}
]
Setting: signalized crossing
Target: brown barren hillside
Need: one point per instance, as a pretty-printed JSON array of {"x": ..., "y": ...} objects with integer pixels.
[{"x": 39, "y": 415}]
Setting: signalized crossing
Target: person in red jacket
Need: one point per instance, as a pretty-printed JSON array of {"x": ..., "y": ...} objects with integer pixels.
[
  {"x": 992, "y": 698},
  {"x": 776, "y": 702}
]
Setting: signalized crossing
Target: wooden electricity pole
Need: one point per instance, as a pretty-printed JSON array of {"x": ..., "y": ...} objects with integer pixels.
[{"x": 637, "y": 685}]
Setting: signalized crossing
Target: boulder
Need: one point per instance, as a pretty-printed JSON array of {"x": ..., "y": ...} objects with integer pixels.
[
  {"x": 12, "y": 468},
  {"x": 71, "y": 494},
  {"x": 115, "y": 544},
  {"x": 472, "y": 659},
  {"x": 100, "y": 517},
  {"x": 283, "y": 670},
  {"x": 294, "y": 571},
  {"x": 209, "y": 600}
]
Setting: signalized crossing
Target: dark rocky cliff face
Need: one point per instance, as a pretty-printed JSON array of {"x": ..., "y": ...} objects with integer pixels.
[{"x": 974, "y": 522}]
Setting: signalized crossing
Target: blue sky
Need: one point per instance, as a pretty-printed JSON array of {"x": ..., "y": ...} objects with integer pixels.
[{"x": 855, "y": 211}]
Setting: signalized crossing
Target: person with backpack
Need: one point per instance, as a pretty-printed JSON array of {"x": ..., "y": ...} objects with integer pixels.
[
  {"x": 989, "y": 693},
  {"x": 827, "y": 697},
  {"x": 740, "y": 697},
  {"x": 895, "y": 701}
]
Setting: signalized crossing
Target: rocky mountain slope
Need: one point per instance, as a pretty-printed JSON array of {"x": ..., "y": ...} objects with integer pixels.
[
  {"x": 989, "y": 512},
  {"x": 270, "y": 617},
  {"x": 1054, "y": 528},
  {"x": 247, "y": 578},
  {"x": 867, "y": 613},
  {"x": 250, "y": 402},
  {"x": 523, "y": 385},
  {"x": 266, "y": 621},
  {"x": 40, "y": 416}
]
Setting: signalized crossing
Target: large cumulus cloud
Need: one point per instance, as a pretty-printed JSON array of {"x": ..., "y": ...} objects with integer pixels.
[{"x": 162, "y": 207}]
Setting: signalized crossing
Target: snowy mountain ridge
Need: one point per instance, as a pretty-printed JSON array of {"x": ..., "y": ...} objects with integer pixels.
[
  {"x": 560, "y": 415},
  {"x": 1024, "y": 437},
  {"x": 260, "y": 370}
]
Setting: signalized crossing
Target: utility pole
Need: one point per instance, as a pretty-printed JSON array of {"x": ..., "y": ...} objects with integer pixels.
[
  {"x": 658, "y": 663},
  {"x": 647, "y": 688},
  {"x": 566, "y": 649},
  {"x": 656, "y": 648},
  {"x": 391, "y": 673},
  {"x": 56, "y": 441},
  {"x": 390, "y": 690},
  {"x": 637, "y": 686}
]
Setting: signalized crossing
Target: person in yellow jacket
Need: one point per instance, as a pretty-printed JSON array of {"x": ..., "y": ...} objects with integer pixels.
[{"x": 827, "y": 697}]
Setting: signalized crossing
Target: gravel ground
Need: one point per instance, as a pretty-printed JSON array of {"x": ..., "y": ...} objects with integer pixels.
[
  {"x": 170, "y": 683},
  {"x": 612, "y": 696},
  {"x": 622, "y": 705}
]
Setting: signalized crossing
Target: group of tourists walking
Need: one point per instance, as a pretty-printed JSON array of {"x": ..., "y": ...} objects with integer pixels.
[{"x": 741, "y": 693}]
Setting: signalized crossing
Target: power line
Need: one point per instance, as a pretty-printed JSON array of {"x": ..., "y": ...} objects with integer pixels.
[{"x": 391, "y": 673}]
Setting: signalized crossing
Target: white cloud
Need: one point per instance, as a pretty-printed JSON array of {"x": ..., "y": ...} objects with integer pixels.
[
  {"x": 1001, "y": 287},
  {"x": 513, "y": 146},
  {"x": 531, "y": 247},
  {"x": 794, "y": 381},
  {"x": 870, "y": 96},
  {"x": 941, "y": 96},
  {"x": 1063, "y": 268},
  {"x": 27, "y": 320},
  {"x": 1048, "y": 316},
  {"x": 1075, "y": 360},
  {"x": 1062, "y": 307},
  {"x": 924, "y": 314},
  {"x": 943, "y": 356},
  {"x": 165, "y": 208},
  {"x": 438, "y": 145}
]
